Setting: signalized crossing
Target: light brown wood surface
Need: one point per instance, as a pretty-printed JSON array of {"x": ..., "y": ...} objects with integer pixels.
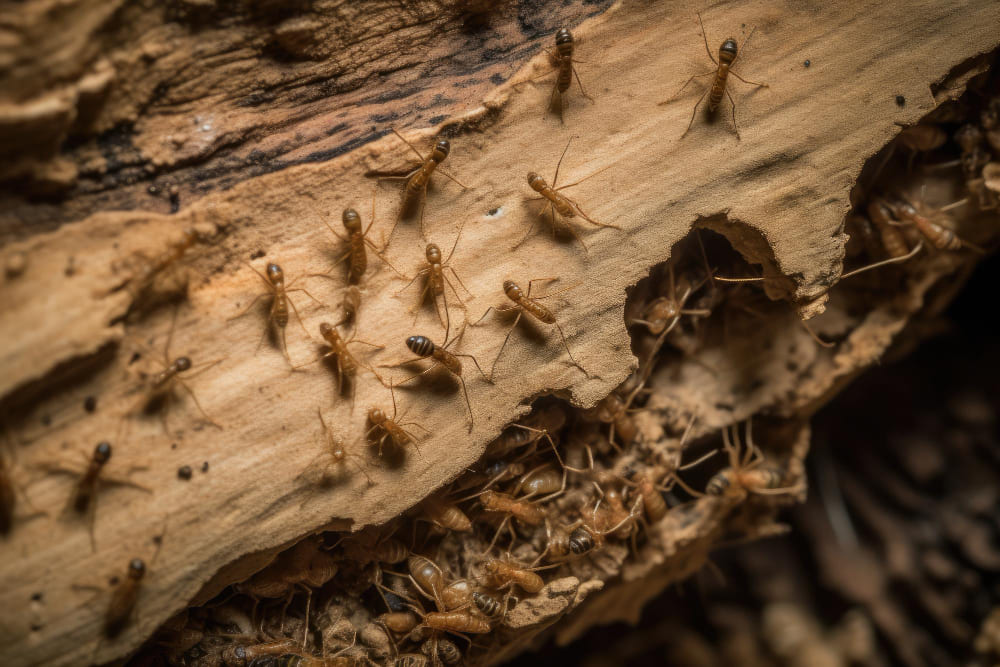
[{"x": 783, "y": 192}]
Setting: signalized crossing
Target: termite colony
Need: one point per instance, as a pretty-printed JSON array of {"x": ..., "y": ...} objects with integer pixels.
[{"x": 563, "y": 495}]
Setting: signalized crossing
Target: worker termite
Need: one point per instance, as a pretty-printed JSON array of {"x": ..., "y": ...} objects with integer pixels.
[
  {"x": 358, "y": 244},
  {"x": 437, "y": 648},
  {"x": 557, "y": 203},
  {"x": 344, "y": 361},
  {"x": 445, "y": 515},
  {"x": 441, "y": 356},
  {"x": 123, "y": 599},
  {"x": 892, "y": 239},
  {"x": 582, "y": 536},
  {"x": 436, "y": 280},
  {"x": 526, "y": 512},
  {"x": 350, "y": 305},
  {"x": 747, "y": 473},
  {"x": 390, "y": 428},
  {"x": 278, "y": 314},
  {"x": 418, "y": 179},
  {"x": 524, "y": 303},
  {"x": 84, "y": 498},
  {"x": 528, "y": 432},
  {"x": 160, "y": 390},
  {"x": 727, "y": 56},
  {"x": 544, "y": 481},
  {"x": 505, "y": 574},
  {"x": 334, "y": 451},
  {"x": 938, "y": 235},
  {"x": 563, "y": 58}
]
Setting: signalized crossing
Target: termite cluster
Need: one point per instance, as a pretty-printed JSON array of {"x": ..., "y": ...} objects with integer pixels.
[{"x": 557, "y": 490}]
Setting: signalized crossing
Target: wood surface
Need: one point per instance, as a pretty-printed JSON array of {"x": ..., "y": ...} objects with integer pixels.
[{"x": 779, "y": 196}]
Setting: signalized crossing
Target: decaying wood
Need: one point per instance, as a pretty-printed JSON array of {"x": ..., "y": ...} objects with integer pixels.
[{"x": 71, "y": 328}]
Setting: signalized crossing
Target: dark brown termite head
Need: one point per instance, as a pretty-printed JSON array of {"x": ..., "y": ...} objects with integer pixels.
[
  {"x": 728, "y": 51},
  {"x": 433, "y": 254},
  {"x": 182, "y": 364},
  {"x": 441, "y": 150},
  {"x": 275, "y": 274},
  {"x": 564, "y": 36},
  {"x": 512, "y": 291},
  {"x": 536, "y": 182},
  {"x": 352, "y": 221},
  {"x": 420, "y": 345},
  {"x": 136, "y": 569},
  {"x": 102, "y": 452}
]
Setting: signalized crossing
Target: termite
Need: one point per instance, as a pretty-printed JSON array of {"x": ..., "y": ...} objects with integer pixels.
[
  {"x": 727, "y": 57},
  {"x": 83, "y": 501},
  {"x": 543, "y": 481},
  {"x": 161, "y": 385},
  {"x": 525, "y": 304},
  {"x": 938, "y": 235},
  {"x": 892, "y": 239},
  {"x": 582, "y": 536},
  {"x": 440, "y": 355},
  {"x": 542, "y": 424},
  {"x": 445, "y": 515},
  {"x": 662, "y": 314},
  {"x": 442, "y": 649},
  {"x": 501, "y": 574},
  {"x": 525, "y": 511},
  {"x": 343, "y": 359},
  {"x": 418, "y": 179},
  {"x": 358, "y": 243},
  {"x": 123, "y": 599},
  {"x": 436, "y": 280},
  {"x": 334, "y": 451},
  {"x": 973, "y": 159},
  {"x": 557, "y": 203},
  {"x": 747, "y": 473},
  {"x": 563, "y": 57},
  {"x": 278, "y": 314},
  {"x": 350, "y": 305},
  {"x": 391, "y": 428}
]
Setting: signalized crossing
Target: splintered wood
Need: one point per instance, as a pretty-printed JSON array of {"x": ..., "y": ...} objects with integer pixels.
[{"x": 90, "y": 306}]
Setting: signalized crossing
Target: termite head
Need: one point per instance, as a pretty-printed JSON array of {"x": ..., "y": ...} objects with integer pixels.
[
  {"x": 564, "y": 36},
  {"x": 512, "y": 291},
  {"x": 275, "y": 274},
  {"x": 182, "y": 364},
  {"x": 102, "y": 452},
  {"x": 376, "y": 416},
  {"x": 441, "y": 150},
  {"x": 433, "y": 253},
  {"x": 420, "y": 346},
  {"x": 536, "y": 182},
  {"x": 328, "y": 332},
  {"x": 136, "y": 569},
  {"x": 728, "y": 51},
  {"x": 352, "y": 221}
]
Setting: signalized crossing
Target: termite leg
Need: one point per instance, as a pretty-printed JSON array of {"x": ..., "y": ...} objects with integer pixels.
[
  {"x": 733, "y": 103},
  {"x": 506, "y": 338}
]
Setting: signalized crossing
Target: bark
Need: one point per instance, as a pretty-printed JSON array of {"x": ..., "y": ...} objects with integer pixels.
[{"x": 265, "y": 120}]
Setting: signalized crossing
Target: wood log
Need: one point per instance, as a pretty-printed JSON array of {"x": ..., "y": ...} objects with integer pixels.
[{"x": 266, "y": 129}]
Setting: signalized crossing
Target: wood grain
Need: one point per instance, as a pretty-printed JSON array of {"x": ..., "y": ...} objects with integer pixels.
[{"x": 780, "y": 195}]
